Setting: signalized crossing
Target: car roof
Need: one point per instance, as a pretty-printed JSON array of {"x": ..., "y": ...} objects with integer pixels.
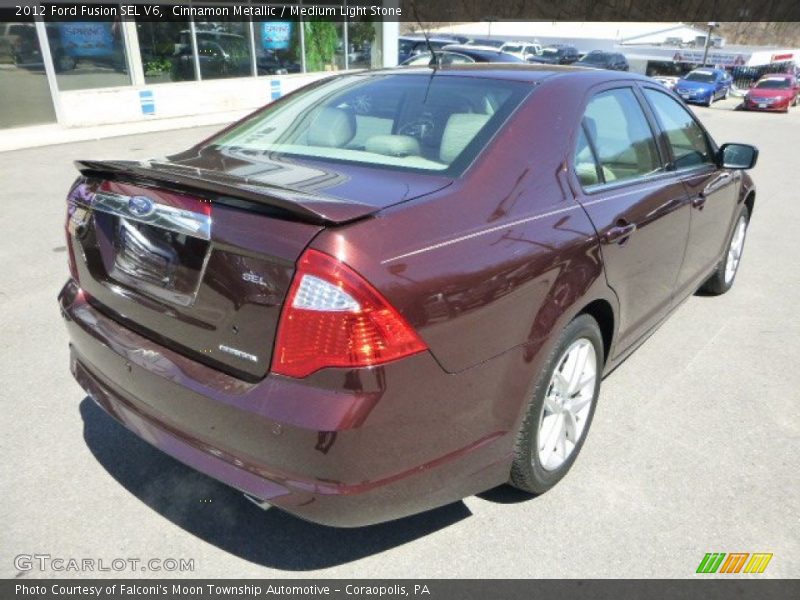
[{"x": 533, "y": 73}]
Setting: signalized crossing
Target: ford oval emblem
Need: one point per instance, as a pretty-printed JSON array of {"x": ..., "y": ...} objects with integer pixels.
[{"x": 141, "y": 206}]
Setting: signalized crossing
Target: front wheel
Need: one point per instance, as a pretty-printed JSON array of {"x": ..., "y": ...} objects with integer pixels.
[
  {"x": 560, "y": 412},
  {"x": 722, "y": 279}
]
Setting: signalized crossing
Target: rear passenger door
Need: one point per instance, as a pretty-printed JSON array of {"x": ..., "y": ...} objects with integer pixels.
[
  {"x": 712, "y": 191},
  {"x": 637, "y": 206}
]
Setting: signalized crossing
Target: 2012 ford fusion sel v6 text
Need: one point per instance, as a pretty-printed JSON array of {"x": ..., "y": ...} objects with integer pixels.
[{"x": 390, "y": 290}]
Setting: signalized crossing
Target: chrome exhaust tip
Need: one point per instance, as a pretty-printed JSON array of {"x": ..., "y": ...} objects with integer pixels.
[{"x": 262, "y": 504}]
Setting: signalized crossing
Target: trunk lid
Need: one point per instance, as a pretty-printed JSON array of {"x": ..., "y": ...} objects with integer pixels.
[{"x": 201, "y": 260}]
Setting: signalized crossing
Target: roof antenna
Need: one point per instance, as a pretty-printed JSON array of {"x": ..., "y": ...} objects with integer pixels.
[{"x": 434, "y": 62}]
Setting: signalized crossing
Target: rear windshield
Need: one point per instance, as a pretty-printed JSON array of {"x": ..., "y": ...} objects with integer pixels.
[
  {"x": 774, "y": 84},
  {"x": 414, "y": 122}
]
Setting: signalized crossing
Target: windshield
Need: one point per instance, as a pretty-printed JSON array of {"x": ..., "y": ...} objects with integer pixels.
[
  {"x": 550, "y": 52},
  {"x": 596, "y": 58},
  {"x": 508, "y": 48},
  {"x": 774, "y": 84},
  {"x": 415, "y": 122},
  {"x": 700, "y": 76}
]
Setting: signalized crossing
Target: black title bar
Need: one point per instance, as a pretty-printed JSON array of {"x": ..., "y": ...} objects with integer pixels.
[{"x": 426, "y": 11}]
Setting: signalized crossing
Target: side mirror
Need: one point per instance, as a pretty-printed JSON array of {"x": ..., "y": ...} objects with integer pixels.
[{"x": 737, "y": 156}]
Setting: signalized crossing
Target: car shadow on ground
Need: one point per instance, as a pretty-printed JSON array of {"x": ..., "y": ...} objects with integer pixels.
[{"x": 221, "y": 516}]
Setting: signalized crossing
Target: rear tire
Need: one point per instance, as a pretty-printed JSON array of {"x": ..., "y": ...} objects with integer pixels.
[
  {"x": 725, "y": 274},
  {"x": 561, "y": 409}
]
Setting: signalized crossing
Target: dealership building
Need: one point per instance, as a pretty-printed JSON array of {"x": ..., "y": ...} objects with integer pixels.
[
  {"x": 72, "y": 74},
  {"x": 67, "y": 75}
]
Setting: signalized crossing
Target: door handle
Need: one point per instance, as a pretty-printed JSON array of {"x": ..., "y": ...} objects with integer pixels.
[
  {"x": 699, "y": 201},
  {"x": 619, "y": 233}
]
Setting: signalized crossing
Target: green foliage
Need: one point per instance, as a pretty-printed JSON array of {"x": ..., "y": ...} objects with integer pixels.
[
  {"x": 322, "y": 40},
  {"x": 157, "y": 66},
  {"x": 361, "y": 32}
]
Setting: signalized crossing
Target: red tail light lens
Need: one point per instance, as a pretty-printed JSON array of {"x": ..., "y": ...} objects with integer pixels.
[{"x": 334, "y": 318}]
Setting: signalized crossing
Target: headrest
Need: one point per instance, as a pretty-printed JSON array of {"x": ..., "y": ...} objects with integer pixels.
[
  {"x": 332, "y": 127},
  {"x": 393, "y": 145},
  {"x": 460, "y": 130}
]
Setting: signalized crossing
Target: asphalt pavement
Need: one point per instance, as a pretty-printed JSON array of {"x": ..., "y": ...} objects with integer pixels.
[{"x": 694, "y": 446}]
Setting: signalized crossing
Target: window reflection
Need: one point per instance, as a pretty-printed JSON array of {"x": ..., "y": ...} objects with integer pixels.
[
  {"x": 166, "y": 51},
  {"x": 362, "y": 38},
  {"x": 223, "y": 48},
  {"x": 88, "y": 55},
  {"x": 277, "y": 47},
  {"x": 324, "y": 45},
  {"x": 24, "y": 92}
]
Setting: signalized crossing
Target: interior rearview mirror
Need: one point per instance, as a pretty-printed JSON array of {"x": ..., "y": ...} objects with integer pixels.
[{"x": 737, "y": 156}]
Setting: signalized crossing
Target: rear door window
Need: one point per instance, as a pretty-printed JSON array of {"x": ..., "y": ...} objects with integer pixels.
[{"x": 621, "y": 136}]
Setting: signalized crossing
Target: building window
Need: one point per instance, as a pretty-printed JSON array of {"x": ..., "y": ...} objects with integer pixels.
[
  {"x": 364, "y": 44},
  {"x": 223, "y": 48},
  {"x": 24, "y": 93},
  {"x": 166, "y": 51},
  {"x": 88, "y": 55},
  {"x": 324, "y": 45},
  {"x": 278, "y": 48}
]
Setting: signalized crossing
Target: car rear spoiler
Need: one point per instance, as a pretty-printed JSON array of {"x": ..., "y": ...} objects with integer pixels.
[{"x": 229, "y": 189}]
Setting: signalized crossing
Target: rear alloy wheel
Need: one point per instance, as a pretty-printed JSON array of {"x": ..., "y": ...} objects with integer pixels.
[
  {"x": 722, "y": 279},
  {"x": 561, "y": 410}
]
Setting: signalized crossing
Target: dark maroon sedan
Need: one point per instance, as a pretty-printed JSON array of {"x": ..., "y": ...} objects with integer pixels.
[{"x": 394, "y": 289}]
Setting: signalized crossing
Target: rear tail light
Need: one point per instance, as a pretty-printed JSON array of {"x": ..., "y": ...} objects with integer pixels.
[
  {"x": 334, "y": 318},
  {"x": 69, "y": 226}
]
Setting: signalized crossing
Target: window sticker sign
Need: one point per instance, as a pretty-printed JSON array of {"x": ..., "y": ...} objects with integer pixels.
[
  {"x": 276, "y": 35},
  {"x": 87, "y": 39}
]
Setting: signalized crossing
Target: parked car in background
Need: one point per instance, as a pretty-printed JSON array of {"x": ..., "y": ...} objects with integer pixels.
[
  {"x": 613, "y": 61},
  {"x": 522, "y": 49},
  {"x": 490, "y": 42},
  {"x": 393, "y": 289},
  {"x": 409, "y": 46},
  {"x": 270, "y": 62},
  {"x": 775, "y": 92},
  {"x": 557, "y": 54},
  {"x": 667, "y": 81},
  {"x": 704, "y": 86},
  {"x": 463, "y": 54}
]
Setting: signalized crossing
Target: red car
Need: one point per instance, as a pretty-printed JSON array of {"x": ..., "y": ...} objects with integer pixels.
[
  {"x": 774, "y": 93},
  {"x": 393, "y": 289}
]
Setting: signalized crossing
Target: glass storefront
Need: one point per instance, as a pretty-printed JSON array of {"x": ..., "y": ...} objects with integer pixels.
[
  {"x": 94, "y": 55},
  {"x": 88, "y": 55},
  {"x": 24, "y": 92}
]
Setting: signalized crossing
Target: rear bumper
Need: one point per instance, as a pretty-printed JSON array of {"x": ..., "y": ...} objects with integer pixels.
[{"x": 343, "y": 448}]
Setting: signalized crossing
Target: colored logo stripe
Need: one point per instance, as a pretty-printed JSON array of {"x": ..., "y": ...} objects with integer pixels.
[
  {"x": 735, "y": 561},
  {"x": 758, "y": 563},
  {"x": 711, "y": 562}
]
